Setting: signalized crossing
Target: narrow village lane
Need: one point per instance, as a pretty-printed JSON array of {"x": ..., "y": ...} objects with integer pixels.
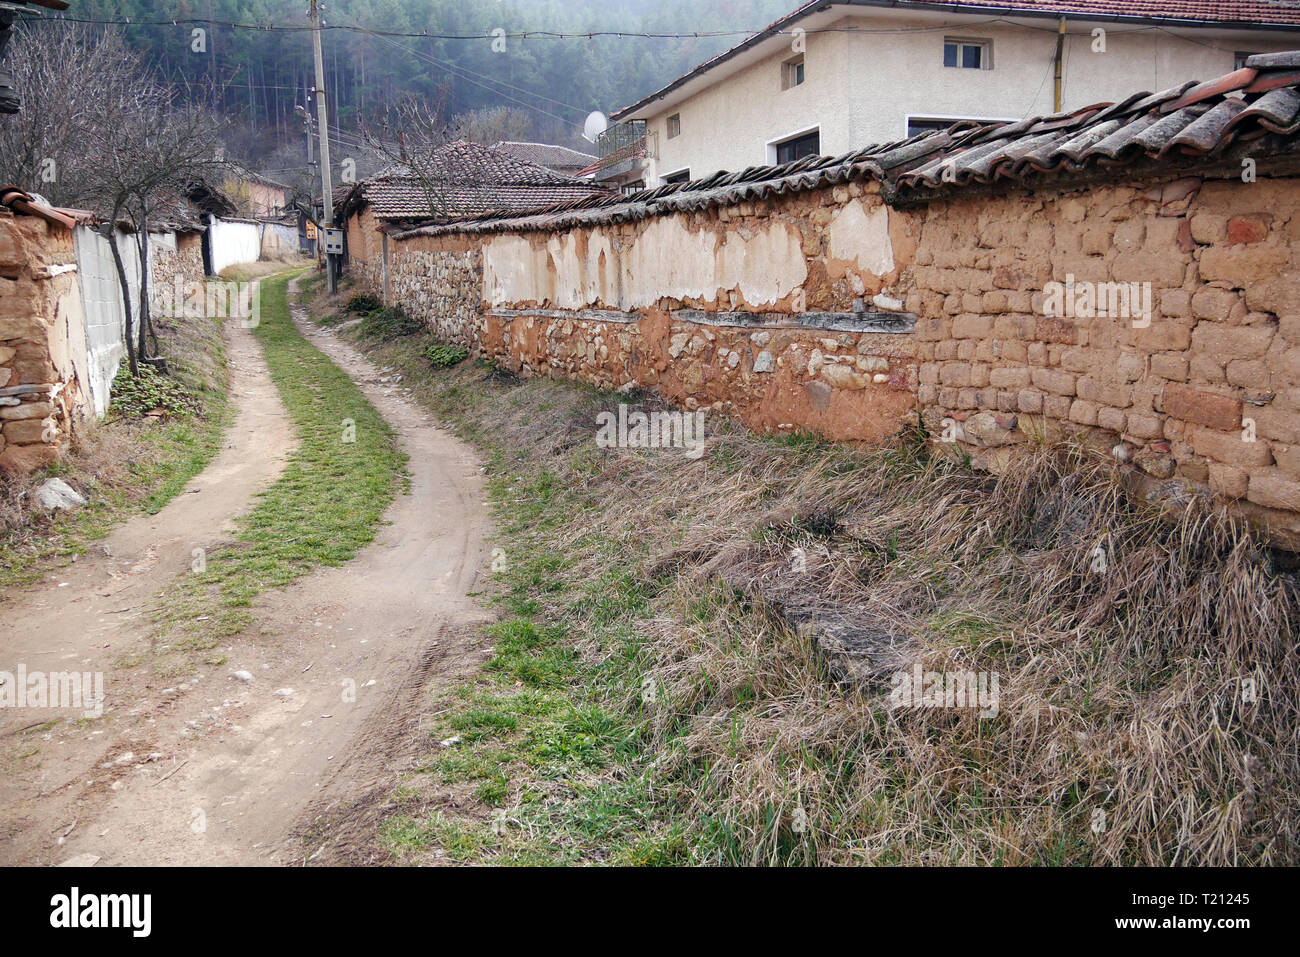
[{"x": 225, "y": 770}]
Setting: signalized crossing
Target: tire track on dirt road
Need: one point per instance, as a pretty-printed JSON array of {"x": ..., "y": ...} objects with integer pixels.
[{"x": 340, "y": 661}]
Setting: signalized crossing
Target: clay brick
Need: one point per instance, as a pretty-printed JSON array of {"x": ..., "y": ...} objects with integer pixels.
[
  {"x": 930, "y": 329},
  {"x": 1013, "y": 351},
  {"x": 1037, "y": 354},
  {"x": 1203, "y": 369},
  {"x": 1176, "y": 303},
  {"x": 1211, "y": 303},
  {"x": 979, "y": 376},
  {"x": 929, "y": 373},
  {"x": 971, "y": 327},
  {"x": 1247, "y": 229},
  {"x": 1112, "y": 419},
  {"x": 1273, "y": 422},
  {"x": 1030, "y": 400},
  {"x": 1143, "y": 426},
  {"x": 1288, "y": 461},
  {"x": 1169, "y": 366},
  {"x": 1248, "y": 374},
  {"x": 1009, "y": 378},
  {"x": 1053, "y": 380},
  {"x": 1083, "y": 412},
  {"x": 1057, "y": 406},
  {"x": 1203, "y": 408},
  {"x": 1208, "y": 228},
  {"x": 1243, "y": 266},
  {"x": 1162, "y": 336},
  {"x": 1272, "y": 490},
  {"x": 13, "y": 250},
  {"x": 1232, "y": 342},
  {"x": 1228, "y": 480},
  {"x": 1230, "y": 448},
  {"x": 1094, "y": 390},
  {"x": 1079, "y": 359}
]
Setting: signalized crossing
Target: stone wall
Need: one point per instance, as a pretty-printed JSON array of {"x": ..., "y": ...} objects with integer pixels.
[
  {"x": 440, "y": 282},
  {"x": 1030, "y": 315},
  {"x": 176, "y": 254}
]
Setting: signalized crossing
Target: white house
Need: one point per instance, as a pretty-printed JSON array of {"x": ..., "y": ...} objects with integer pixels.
[{"x": 837, "y": 75}]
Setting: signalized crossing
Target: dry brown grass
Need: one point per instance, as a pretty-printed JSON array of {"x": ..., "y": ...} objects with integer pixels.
[{"x": 1120, "y": 692}]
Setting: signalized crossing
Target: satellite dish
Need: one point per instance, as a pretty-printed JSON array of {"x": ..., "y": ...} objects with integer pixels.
[{"x": 595, "y": 125}]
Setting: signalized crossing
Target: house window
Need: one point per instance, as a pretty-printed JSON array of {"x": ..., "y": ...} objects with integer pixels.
[
  {"x": 627, "y": 189},
  {"x": 922, "y": 124},
  {"x": 968, "y": 54},
  {"x": 791, "y": 73},
  {"x": 797, "y": 147},
  {"x": 681, "y": 176},
  {"x": 674, "y": 125},
  {"x": 1239, "y": 59}
]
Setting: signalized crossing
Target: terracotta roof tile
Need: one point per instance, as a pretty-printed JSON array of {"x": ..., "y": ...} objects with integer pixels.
[{"x": 466, "y": 179}]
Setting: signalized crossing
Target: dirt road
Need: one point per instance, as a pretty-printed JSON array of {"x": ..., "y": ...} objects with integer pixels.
[{"x": 219, "y": 770}]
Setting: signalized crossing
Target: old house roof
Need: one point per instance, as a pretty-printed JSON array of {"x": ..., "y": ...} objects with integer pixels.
[
  {"x": 1207, "y": 127},
  {"x": 465, "y": 179},
  {"x": 1238, "y": 14},
  {"x": 31, "y": 204},
  {"x": 558, "y": 158}
]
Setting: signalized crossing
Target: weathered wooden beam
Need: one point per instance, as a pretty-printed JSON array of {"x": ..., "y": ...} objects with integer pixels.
[
  {"x": 875, "y": 322},
  {"x": 883, "y": 322}
]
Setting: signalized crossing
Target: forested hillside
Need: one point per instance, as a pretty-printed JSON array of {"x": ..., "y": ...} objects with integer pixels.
[{"x": 258, "y": 75}]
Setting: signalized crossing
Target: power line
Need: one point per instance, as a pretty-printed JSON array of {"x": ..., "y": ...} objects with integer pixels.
[
  {"x": 457, "y": 71},
  {"x": 534, "y": 34}
]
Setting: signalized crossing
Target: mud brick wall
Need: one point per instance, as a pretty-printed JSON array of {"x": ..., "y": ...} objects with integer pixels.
[
  {"x": 671, "y": 288},
  {"x": 719, "y": 309},
  {"x": 42, "y": 343},
  {"x": 365, "y": 252},
  {"x": 1207, "y": 396}
]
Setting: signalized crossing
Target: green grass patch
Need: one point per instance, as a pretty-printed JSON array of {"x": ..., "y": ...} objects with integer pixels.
[{"x": 326, "y": 505}]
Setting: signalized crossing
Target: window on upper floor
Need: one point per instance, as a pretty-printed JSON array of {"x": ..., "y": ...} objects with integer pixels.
[
  {"x": 797, "y": 147},
  {"x": 674, "y": 125},
  {"x": 681, "y": 176},
  {"x": 1239, "y": 59},
  {"x": 968, "y": 54},
  {"x": 792, "y": 73}
]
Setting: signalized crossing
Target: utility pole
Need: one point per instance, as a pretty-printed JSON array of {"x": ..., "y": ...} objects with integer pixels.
[{"x": 323, "y": 124}]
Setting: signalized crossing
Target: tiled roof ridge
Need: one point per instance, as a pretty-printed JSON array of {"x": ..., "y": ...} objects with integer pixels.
[{"x": 1193, "y": 122}]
